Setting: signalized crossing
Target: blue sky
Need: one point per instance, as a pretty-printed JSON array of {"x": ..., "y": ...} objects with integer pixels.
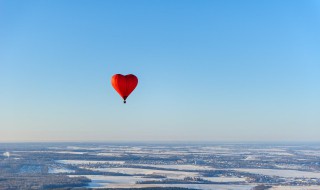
[{"x": 208, "y": 70}]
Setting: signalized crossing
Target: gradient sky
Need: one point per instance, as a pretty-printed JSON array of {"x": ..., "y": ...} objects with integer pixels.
[{"x": 208, "y": 70}]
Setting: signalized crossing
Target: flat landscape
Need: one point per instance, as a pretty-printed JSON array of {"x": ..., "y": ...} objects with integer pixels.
[{"x": 149, "y": 165}]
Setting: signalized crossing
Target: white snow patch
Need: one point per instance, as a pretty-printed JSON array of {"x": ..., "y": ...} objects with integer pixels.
[
  {"x": 69, "y": 152},
  {"x": 295, "y": 188},
  {"x": 310, "y": 152},
  {"x": 281, "y": 173},
  {"x": 84, "y": 162},
  {"x": 7, "y": 154},
  {"x": 178, "y": 167},
  {"x": 250, "y": 158},
  {"x": 105, "y": 181},
  {"x": 99, "y": 181},
  {"x": 56, "y": 170},
  {"x": 108, "y": 154},
  {"x": 224, "y": 179},
  {"x": 140, "y": 171}
]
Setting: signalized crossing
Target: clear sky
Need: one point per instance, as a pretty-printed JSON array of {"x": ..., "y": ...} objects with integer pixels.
[{"x": 208, "y": 70}]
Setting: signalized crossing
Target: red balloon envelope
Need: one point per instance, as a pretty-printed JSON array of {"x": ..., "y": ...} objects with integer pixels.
[{"x": 124, "y": 84}]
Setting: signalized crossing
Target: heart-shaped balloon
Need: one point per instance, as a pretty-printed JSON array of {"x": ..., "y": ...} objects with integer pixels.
[{"x": 124, "y": 84}]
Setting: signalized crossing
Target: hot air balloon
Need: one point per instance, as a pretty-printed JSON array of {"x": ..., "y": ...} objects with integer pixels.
[{"x": 124, "y": 84}]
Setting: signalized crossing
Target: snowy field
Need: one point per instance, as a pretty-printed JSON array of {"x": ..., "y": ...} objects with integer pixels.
[
  {"x": 191, "y": 186},
  {"x": 88, "y": 162},
  {"x": 310, "y": 152},
  {"x": 140, "y": 171},
  {"x": 56, "y": 170},
  {"x": 295, "y": 188},
  {"x": 224, "y": 179},
  {"x": 186, "y": 164},
  {"x": 282, "y": 173},
  {"x": 111, "y": 154},
  {"x": 99, "y": 181},
  {"x": 49, "y": 151},
  {"x": 177, "y": 167},
  {"x": 208, "y": 166}
]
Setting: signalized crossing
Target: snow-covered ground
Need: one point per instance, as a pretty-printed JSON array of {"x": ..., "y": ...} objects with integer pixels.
[
  {"x": 277, "y": 156},
  {"x": 104, "y": 181},
  {"x": 279, "y": 153},
  {"x": 250, "y": 158},
  {"x": 83, "y": 148},
  {"x": 56, "y": 170},
  {"x": 191, "y": 186},
  {"x": 99, "y": 181},
  {"x": 281, "y": 173},
  {"x": 178, "y": 167},
  {"x": 290, "y": 166},
  {"x": 109, "y": 154},
  {"x": 270, "y": 151},
  {"x": 49, "y": 151},
  {"x": 82, "y": 162},
  {"x": 224, "y": 179},
  {"x": 310, "y": 152},
  {"x": 157, "y": 152},
  {"x": 295, "y": 188},
  {"x": 70, "y": 152},
  {"x": 139, "y": 171}
]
